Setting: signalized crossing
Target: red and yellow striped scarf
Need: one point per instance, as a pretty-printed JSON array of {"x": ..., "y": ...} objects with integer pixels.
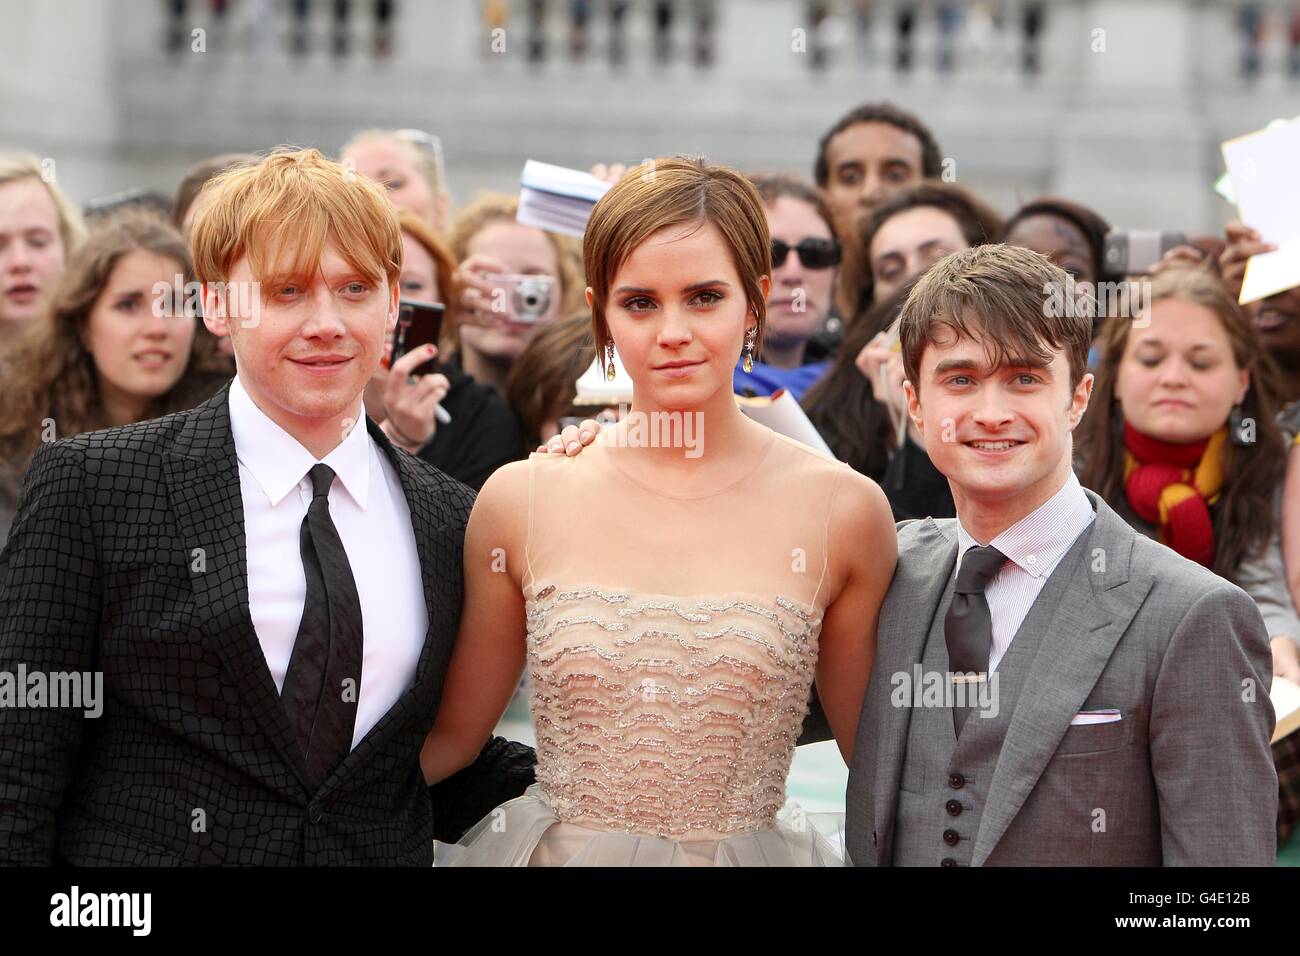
[{"x": 1172, "y": 487}]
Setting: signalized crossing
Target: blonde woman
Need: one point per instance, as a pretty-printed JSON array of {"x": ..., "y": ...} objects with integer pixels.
[
  {"x": 39, "y": 229},
  {"x": 408, "y": 164}
]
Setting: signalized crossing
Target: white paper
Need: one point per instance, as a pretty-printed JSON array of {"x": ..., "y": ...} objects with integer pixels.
[
  {"x": 781, "y": 413},
  {"x": 1262, "y": 168},
  {"x": 1271, "y": 272},
  {"x": 558, "y": 199},
  {"x": 562, "y": 181},
  {"x": 553, "y": 213},
  {"x": 1286, "y": 707}
]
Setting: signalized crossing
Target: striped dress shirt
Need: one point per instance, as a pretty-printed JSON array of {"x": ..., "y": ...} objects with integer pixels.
[{"x": 1034, "y": 546}]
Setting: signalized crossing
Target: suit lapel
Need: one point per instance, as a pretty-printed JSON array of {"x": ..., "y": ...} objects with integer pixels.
[
  {"x": 924, "y": 568},
  {"x": 1093, "y": 615},
  {"x": 202, "y": 477}
]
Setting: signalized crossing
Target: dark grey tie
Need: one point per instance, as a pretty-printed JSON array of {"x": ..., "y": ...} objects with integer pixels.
[
  {"x": 323, "y": 682},
  {"x": 968, "y": 626}
]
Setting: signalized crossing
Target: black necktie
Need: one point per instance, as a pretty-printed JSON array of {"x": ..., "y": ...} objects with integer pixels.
[
  {"x": 323, "y": 682},
  {"x": 968, "y": 626}
]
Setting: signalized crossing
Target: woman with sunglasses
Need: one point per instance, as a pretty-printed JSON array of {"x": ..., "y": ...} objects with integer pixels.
[{"x": 804, "y": 256}]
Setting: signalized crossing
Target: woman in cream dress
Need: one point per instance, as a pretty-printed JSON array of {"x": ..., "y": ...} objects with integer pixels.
[{"x": 675, "y": 589}]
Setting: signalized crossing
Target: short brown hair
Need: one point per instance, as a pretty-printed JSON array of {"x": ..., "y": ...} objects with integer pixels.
[
  {"x": 295, "y": 195},
  {"x": 1006, "y": 291},
  {"x": 676, "y": 192}
]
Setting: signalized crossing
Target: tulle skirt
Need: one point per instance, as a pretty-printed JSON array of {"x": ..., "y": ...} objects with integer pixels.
[{"x": 526, "y": 832}]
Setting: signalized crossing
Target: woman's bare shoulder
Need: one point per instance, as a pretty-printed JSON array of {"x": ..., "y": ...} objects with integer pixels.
[
  {"x": 861, "y": 519},
  {"x": 817, "y": 464},
  {"x": 508, "y": 486},
  {"x": 503, "y": 500}
]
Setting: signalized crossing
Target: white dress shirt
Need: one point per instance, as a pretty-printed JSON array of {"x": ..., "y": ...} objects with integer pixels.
[
  {"x": 374, "y": 523},
  {"x": 1034, "y": 546}
]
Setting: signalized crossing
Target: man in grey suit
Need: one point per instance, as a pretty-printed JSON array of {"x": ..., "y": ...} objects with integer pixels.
[{"x": 1050, "y": 687}]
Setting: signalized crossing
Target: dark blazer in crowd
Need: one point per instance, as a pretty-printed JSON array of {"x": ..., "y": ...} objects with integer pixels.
[
  {"x": 193, "y": 759},
  {"x": 914, "y": 487},
  {"x": 484, "y": 432}
]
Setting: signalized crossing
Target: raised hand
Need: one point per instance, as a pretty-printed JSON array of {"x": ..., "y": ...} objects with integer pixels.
[
  {"x": 1243, "y": 242},
  {"x": 410, "y": 400},
  {"x": 474, "y": 305}
]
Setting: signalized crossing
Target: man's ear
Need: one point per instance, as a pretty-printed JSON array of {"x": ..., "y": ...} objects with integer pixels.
[
  {"x": 913, "y": 405},
  {"x": 1079, "y": 402},
  {"x": 394, "y": 297},
  {"x": 214, "y": 311}
]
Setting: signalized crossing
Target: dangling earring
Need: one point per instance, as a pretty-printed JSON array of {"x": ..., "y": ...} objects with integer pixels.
[
  {"x": 609, "y": 362},
  {"x": 750, "y": 336}
]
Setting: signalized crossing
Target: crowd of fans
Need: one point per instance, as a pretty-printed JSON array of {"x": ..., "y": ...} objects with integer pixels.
[{"x": 1203, "y": 395}]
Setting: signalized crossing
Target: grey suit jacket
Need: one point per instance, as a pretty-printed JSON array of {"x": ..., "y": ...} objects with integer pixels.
[{"x": 1185, "y": 777}]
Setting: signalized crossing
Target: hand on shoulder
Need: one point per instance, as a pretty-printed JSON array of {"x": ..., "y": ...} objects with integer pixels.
[{"x": 572, "y": 439}]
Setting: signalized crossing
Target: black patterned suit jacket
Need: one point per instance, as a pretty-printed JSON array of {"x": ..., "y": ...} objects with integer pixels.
[{"x": 128, "y": 557}]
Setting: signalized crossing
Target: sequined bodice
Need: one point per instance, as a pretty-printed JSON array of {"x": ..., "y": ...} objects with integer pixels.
[{"x": 670, "y": 716}]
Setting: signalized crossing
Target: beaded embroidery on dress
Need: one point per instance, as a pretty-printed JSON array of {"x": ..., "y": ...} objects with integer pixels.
[{"x": 666, "y": 715}]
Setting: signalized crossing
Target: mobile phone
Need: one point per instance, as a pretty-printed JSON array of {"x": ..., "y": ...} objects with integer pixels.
[
  {"x": 418, "y": 324},
  {"x": 524, "y": 299},
  {"x": 1130, "y": 251}
]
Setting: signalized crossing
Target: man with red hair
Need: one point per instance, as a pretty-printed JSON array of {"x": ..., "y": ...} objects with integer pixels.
[{"x": 269, "y": 589}]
